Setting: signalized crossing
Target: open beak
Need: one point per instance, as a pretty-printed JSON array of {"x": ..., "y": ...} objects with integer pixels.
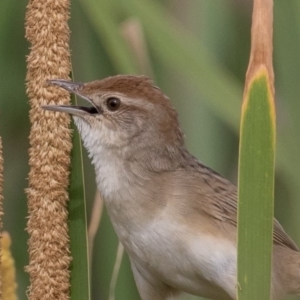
[{"x": 74, "y": 88}]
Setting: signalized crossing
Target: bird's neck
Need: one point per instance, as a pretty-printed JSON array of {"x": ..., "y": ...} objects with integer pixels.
[{"x": 128, "y": 192}]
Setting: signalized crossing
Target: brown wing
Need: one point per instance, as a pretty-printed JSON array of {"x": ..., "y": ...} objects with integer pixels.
[{"x": 223, "y": 204}]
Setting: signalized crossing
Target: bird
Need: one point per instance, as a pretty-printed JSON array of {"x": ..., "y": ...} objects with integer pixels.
[{"x": 175, "y": 217}]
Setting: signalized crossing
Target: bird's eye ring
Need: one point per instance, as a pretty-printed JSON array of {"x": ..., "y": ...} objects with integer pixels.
[{"x": 113, "y": 103}]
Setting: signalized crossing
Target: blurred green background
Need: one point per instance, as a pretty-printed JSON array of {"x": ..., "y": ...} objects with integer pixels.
[{"x": 197, "y": 52}]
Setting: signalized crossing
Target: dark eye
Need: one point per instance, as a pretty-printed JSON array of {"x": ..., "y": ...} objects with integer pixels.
[{"x": 113, "y": 103}]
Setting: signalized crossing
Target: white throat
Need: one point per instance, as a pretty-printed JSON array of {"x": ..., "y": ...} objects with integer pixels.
[{"x": 111, "y": 176}]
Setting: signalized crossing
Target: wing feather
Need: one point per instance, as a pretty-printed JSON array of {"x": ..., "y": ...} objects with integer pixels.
[{"x": 222, "y": 197}]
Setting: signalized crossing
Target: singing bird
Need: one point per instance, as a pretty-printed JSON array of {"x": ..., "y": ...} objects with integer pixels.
[{"x": 175, "y": 217}]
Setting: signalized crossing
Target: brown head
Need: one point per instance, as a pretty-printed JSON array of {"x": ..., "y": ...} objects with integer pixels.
[{"x": 127, "y": 114}]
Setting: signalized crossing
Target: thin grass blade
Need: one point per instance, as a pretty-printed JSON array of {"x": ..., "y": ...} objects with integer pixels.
[
  {"x": 80, "y": 273},
  {"x": 101, "y": 15}
]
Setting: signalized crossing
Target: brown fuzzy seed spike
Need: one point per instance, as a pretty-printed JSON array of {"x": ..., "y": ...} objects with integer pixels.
[
  {"x": 8, "y": 270},
  {"x": 50, "y": 145},
  {"x": 1, "y": 210}
]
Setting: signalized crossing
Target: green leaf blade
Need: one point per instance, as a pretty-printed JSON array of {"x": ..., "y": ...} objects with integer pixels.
[{"x": 256, "y": 190}]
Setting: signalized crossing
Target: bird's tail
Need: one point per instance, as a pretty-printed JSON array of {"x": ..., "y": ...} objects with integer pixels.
[
  {"x": 287, "y": 271},
  {"x": 293, "y": 280}
]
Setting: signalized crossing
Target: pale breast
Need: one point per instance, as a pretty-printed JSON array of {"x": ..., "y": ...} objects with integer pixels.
[{"x": 198, "y": 264}]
